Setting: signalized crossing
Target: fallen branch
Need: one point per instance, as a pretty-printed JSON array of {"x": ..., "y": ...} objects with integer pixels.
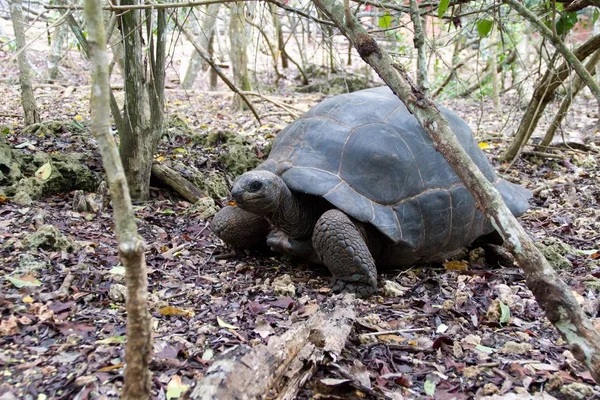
[
  {"x": 551, "y": 293},
  {"x": 178, "y": 183},
  {"x": 280, "y": 368}
]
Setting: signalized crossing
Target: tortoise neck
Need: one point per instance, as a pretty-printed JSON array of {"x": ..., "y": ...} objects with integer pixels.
[{"x": 293, "y": 216}]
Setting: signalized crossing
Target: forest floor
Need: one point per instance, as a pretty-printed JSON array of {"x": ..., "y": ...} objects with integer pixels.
[{"x": 446, "y": 331}]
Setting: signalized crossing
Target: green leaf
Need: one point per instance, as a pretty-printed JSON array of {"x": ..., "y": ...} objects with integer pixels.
[
  {"x": 504, "y": 313},
  {"x": 595, "y": 16},
  {"x": 443, "y": 7},
  {"x": 484, "y": 349},
  {"x": 385, "y": 21},
  {"x": 24, "y": 281},
  {"x": 484, "y": 27},
  {"x": 112, "y": 340},
  {"x": 566, "y": 22},
  {"x": 429, "y": 388},
  {"x": 117, "y": 270},
  {"x": 175, "y": 388}
]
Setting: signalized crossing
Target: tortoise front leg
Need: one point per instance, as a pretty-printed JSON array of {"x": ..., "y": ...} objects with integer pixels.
[
  {"x": 240, "y": 228},
  {"x": 343, "y": 250}
]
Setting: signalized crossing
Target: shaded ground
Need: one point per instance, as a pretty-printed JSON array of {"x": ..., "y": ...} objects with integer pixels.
[{"x": 447, "y": 331}]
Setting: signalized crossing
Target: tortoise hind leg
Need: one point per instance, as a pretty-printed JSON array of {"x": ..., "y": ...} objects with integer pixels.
[{"x": 343, "y": 250}]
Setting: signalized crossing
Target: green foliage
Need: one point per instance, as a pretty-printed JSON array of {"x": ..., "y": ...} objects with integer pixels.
[
  {"x": 385, "y": 21},
  {"x": 443, "y": 7},
  {"x": 566, "y": 22},
  {"x": 484, "y": 27}
]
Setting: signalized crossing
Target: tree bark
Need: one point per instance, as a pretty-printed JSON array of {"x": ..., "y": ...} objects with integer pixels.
[
  {"x": 144, "y": 99},
  {"x": 542, "y": 95},
  {"x": 551, "y": 293},
  {"x": 279, "y": 36},
  {"x": 31, "y": 114},
  {"x": 58, "y": 40},
  {"x": 494, "y": 70},
  {"x": 203, "y": 38},
  {"x": 175, "y": 181},
  {"x": 238, "y": 54},
  {"x": 138, "y": 350},
  {"x": 287, "y": 361},
  {"x": 419, "y": 41}
]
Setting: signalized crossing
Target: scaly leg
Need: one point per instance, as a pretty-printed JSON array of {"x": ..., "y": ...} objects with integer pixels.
[{"x": 342, "y": 248}]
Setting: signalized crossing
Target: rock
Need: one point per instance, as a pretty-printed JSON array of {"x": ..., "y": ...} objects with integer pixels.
[
  {"x": 283, "y": 286},
  {"x": 471, "y": 372},
  {"x": 578, "y": 390},
  {"x": 29, "y": 262},
  {"x": 393, "y": 289},
  {"x": 489, "y": 389},
  {"x": 506, "y": 295},
  {"x": 22, "y": 198},
  {"x": 513, "y": 348},
  {"x": 117, "y": 292},
  {"x": 48, "y": 237},
  {"x": 205, "y": 206},
  {"x": 211, "y": 183},
  {"x": 239, "y": 156}
]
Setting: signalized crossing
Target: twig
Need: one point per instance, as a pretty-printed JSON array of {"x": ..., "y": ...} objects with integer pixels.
[
  {"x": 397, "y": 331},
  {"x": 215, "y": 67}
]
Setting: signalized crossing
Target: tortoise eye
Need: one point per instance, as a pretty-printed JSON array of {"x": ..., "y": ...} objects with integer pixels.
[{"x": 255, "y": 186}]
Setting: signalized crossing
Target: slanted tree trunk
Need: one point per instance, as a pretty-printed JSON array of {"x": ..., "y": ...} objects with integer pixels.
[
  {"x": 572, "y": 91},
  {"x": 542, "y": 95},
  {"x": 31, "y": 115},
  {"x": 494, "y": 70},
  {"x": 56, "y": 48},
  {"x": 144, "y": 97},
  {"x": 138, "y": 350},
  {"x": 237, "y": 52},
  {"x": 204, "y": 38},
  {"x": 551, "y": 293},
  {"x": 419, "y": 41}
]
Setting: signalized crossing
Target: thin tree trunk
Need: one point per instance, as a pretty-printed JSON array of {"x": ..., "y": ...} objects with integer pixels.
[
  {"x": 542, "y": 95},
  {"x": 213, "y": 75},
  {"x": 58, "y": 40},
  {"x": 279, "y": 37},
  {"x": 204, "y": 39},
  {"x": 419, "y": 41},
  {"x": 551, "y": 293},
  {"x": 144, "y": 98},
  {"x": 494, "y": 70},
  {"x": 239, "y": 57},
  {"x": 31, "y": 115},
  {"x": 138, "y": 350},
  {"x": 572, "y": 91}
]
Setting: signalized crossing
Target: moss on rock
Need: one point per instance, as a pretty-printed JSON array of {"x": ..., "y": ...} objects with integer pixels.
[{"x": 47, "y": 237}]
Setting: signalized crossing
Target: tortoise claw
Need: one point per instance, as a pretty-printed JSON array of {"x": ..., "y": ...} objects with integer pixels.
[{"x": 362, "y": 290}]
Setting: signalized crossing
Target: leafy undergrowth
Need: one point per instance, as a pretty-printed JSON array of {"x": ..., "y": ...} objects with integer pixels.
[{"x": 453, "y": 330}]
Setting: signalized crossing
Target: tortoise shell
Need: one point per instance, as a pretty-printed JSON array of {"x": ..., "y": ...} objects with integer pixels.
[{"x": 367, "y": 155}]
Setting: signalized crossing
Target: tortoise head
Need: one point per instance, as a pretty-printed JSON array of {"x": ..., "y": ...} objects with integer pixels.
[{"x": 258, "y": 192}]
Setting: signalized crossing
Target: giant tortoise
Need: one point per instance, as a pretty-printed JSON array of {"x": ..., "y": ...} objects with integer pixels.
[{"x": 356, "y": 182}]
